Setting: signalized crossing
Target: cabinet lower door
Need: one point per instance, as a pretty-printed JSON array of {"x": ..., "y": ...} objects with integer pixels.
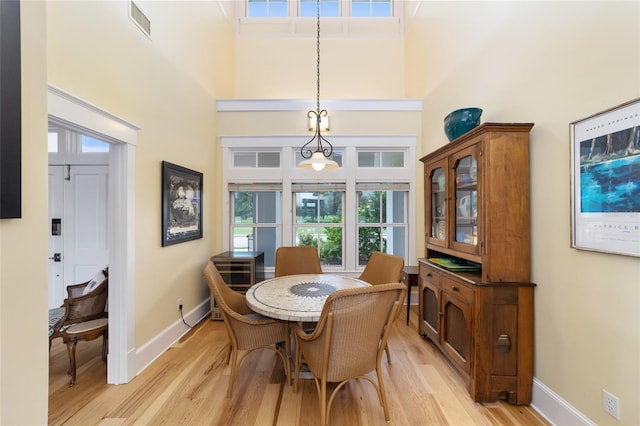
[
  {"x": 456, "y": 331},
  {"x": 430, "y": 311}
]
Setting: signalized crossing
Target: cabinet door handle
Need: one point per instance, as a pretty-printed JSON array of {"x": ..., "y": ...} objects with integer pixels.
[
  {"x": 504, "y": 343},
  {"x": 454, "y": 288}
]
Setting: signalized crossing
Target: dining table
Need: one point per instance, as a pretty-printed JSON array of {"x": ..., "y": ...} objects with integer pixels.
[{"x": 298, "y": 297}]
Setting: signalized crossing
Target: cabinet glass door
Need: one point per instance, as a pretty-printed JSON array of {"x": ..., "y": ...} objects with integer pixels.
[
  {"x": 438, "y": 203},
  {"x": 466, "y": 200}
]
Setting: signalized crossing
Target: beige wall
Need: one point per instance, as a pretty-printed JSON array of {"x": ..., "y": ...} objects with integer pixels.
[
  {"x": 23, "y": 247},
  {"x": 546, "y": 62},
  {"x": 550, "y": 63},
  {"x": 169, "y": 90},
  {"x": 167, "y": 86},
  {"x": 350, "y": 67}
]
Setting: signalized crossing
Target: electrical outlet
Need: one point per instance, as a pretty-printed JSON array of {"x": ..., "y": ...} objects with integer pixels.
[
  {"x": 611, "y": 404},
  {"x": 179, "y": 304}
]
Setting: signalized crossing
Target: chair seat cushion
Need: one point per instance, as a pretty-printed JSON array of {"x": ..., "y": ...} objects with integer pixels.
[
  {"x": 55, "y": 315},
  {"x": 86, "y": 326}
]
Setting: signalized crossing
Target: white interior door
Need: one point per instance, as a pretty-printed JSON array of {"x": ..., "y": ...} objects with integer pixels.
[
  {"x": 78, "y": 197},
  {"x": 86, "y": 249}
]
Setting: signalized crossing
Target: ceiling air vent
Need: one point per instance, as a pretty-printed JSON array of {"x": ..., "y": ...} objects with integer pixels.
[{"x": 140, "y": 18}]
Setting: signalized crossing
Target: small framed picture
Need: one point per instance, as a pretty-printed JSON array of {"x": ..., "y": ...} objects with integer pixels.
[
  {"x": 181, "y": 204},
  {"x": 605, "y": 181}
]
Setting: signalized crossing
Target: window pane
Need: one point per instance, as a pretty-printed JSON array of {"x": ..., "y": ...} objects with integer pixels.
[
  {"x": 381, "y": 8},
  {"x": 257, "y": 215},
  {"x": 387, "y": 239},
  {"x": 368, "y": 159},
  {"x": 327, "y": 8},
  {"x": 369, "y": 203},
  {"x": 371, "y": 8},
  {"x": 330, "y": 206},
  {"x": 307, "y": 236},
  {"x": 381, "y": 159},
  {"x": 244, "y": 159},
  {"x": 264, "y": 8},
  {"x": 278, "y": 8},
  {"x": 93, "y": 145},
  {"x": 327, "y": 239},
  {"x": 392, "y": 159},
  {"x": 243, "y": 207},
  {"x": 331, "y": 246},
  {"x": 369, "y": 240},
  {"x": 52, "y": 141},
  {"x": 306, "y": 207},
  {"x": 268, "y": 159},
  {"x": 376, "y": 209},
  {"x": 242, "y": 238}
]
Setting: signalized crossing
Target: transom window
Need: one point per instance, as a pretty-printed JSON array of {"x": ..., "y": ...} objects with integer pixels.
[
  {"x": 380, "y": 159},
  {"x": 328, "y": 8}
]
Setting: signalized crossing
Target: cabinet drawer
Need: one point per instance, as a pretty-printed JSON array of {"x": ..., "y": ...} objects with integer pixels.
[
  {"x": 428, "y": 274},
  {"x": 463, "y": 291}
]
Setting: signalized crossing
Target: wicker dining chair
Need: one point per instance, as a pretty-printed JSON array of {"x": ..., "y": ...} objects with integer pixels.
[
  {"x": 348, "y": 342},
  {"x": 383, "y": 268},
  {"x": 297, "y": 260},
  {"x": 247, "y": 330}
]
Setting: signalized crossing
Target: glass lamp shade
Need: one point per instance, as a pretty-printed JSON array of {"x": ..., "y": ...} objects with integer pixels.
[{"x": 318, "y": 162}]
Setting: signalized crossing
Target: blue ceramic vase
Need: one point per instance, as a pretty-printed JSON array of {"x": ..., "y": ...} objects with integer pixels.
[{"x": 461, "y": 121}]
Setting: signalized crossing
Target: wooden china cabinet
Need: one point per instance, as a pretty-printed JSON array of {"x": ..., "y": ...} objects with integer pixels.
[{"x": 475, "y": 294}]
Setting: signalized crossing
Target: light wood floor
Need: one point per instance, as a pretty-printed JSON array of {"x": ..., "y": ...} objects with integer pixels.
[{"x": 187, "y": 385}]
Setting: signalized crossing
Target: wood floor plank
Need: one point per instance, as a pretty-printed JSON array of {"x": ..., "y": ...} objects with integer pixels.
[{"x": 187, "y": 386}]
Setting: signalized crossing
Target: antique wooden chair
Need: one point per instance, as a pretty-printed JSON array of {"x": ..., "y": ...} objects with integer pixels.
[
  {"x": 348, "y": 342},
  {"x": 247, "y": 330},
  {"x": 297, "y": 260},
  {"x": 84, "y": 317}
]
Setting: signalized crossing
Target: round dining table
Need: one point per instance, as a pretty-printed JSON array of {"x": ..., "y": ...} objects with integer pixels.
[{"x": 297, "y": 297}]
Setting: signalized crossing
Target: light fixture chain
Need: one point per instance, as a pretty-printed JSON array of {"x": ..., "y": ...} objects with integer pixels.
[
  {"x": 318, "y": 159},
  {"x": 318, "y": 60}
]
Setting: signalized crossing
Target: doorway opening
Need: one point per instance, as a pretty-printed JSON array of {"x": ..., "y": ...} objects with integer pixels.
[{"x": 66, "y": 111}]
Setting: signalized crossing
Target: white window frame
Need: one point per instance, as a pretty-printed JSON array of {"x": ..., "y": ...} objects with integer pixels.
[{"x": 349, "y": 174}]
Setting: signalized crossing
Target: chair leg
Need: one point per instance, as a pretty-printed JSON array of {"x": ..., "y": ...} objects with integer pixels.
[
  {"x": 323, "y": 402},
  {"x": 386, "y": 349},
  {"x": 71, "y": 349},
  {"x": 297, "y": 357},
  {"x": 382, "y": 394},
  {"x": 232, "y": 375},
  {"x": 287, "y": 357},
  {"x": 228, "y": 357},
  {"x": 105, "y": 346}
]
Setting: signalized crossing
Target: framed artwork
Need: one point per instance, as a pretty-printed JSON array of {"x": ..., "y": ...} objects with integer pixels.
[
  {"x": 181, "y": 204},
  {"x": 605, "y": 181}
]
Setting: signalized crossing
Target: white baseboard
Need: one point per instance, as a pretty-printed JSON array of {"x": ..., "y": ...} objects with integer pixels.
[
  {"x": 151, "y": 350},
  {"x": 556, "y": 410}
]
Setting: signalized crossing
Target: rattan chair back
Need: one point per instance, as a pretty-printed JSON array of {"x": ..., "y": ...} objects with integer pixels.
[{"x": 297, "y": 260}]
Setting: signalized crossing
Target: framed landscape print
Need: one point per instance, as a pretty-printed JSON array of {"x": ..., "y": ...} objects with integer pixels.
[
  {"x": 605, "y": 181},
  {"x": 181, "y": 204}
]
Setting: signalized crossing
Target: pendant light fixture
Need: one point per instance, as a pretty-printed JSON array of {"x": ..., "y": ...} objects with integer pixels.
[{"x": 318, "y": 159}]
